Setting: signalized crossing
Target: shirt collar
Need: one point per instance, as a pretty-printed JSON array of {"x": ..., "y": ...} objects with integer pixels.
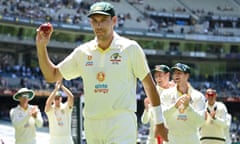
[
  {"x": 115, "y": 44},
  {"x": 189, "y": 91},
  {"x": 213, "y": 106}
]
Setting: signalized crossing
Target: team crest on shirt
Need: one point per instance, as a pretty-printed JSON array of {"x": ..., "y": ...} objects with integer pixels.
[
  {"x": 181, "y": 115},
  {"x": 115, "y": 58},
  {"x": 101, "y": 76},
  {"x": 101, "y": 87},
  {"x": 89, "y": 61}
]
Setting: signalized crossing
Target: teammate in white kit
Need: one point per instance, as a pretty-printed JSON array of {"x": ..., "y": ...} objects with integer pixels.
[
  {"x": 109, "y": 66},
  {"x": 161, "y": 75},
  {"x": 25, "y": 117},
  {"x": 59, "y": 115},
  {"x": 213, "y": 130},
  {"x": 183, "y": 108},
  {"x": 227, "y": 129}
]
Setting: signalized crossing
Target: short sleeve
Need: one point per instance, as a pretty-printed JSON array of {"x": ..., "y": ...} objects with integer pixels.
[
  {"x": 69, "y": 67},
  {"x": 138, "y": 61}
]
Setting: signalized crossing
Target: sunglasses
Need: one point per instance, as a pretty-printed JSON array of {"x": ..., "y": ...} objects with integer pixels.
[{"x": 211, "y": 94}]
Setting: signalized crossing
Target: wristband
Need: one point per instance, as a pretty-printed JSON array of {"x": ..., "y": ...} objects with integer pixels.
[{"x": 157, "y": 114}]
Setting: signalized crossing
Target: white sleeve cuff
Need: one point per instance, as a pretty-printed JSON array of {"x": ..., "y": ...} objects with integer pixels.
[{"x": 157, "y": 114}]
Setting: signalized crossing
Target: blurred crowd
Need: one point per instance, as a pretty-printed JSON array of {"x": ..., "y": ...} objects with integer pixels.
[
  {"x": 75, "y": 11},
  {"x": 27, "y": 76}
]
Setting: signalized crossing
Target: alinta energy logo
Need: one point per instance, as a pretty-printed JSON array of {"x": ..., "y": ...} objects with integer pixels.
[
  {"x": 89, "y": 61},
  {"x": 115, "y": 58}
]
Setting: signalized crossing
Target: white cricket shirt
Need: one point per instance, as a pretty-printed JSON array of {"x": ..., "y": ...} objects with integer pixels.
[
  {"x": 60, "y": 120},
  {"x": 109, "y": 77},
  {"x": 215, "y": 128},
  {"x": 24, "y": 124},
  {"x": 183, "y": 127}
]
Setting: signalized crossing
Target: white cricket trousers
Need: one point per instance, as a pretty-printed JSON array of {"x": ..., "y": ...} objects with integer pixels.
[
  {"x": 61, "y": 140},
  {"x": 119, "y": 128},
  {"x": 212, "y": 142}
]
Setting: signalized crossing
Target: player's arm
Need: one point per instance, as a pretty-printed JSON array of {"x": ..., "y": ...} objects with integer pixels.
[
  {"x": 52, "y": 96},
  {"x": 221, "y": 119},
  {"x": 70, "y": 96},
  {"x": 50, "y": 71},
  {"x": 151, "y": 90}
]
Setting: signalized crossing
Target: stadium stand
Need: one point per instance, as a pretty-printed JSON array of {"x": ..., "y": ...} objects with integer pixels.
[
  {"x": 215, "y": 7},
  {"x": 132, "y": 13}
]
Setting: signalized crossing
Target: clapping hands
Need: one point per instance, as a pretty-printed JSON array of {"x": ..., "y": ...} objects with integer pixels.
[
  {"x": 184, "y": 100},
  {"x": 33, "y": 112}
]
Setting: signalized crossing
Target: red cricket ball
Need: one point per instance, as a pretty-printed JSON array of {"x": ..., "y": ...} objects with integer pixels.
[{"x": 46, "y": 28}]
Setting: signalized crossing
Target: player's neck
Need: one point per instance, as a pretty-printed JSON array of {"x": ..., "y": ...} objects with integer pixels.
[
  {"x": 57, "y": 105},
  {"x": 23, "y": 106},
  {"x": 105, "y": 44},
  {"x": 165, "y": 85},
  {"x": 183, "y": 88},
  {"x": 211, "y": 103}
]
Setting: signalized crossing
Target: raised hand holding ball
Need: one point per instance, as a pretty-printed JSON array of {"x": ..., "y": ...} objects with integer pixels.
[{"x": 45, "y": 29}]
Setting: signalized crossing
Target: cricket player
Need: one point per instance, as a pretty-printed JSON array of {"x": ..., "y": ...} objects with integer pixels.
[
  {"x": 25, "y": 117},
  {"x": 213, "y": 130},
  {"x": 183, "y": 108},
  {"x": 59, "y": 115},
  {"x": 161, "y": 75},
  {"x": 227, "y": 129},
  {"x": 109, "y": 66}
]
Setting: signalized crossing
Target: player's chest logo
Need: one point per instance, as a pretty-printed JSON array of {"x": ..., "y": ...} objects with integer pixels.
[
  {"x": 173, "y": 100},
  {"x": 89, "y": 61},
  {"x": 59, "y": 114},
  {"x": 101, "y": 87},
  {"x": 115, "y": 58},
  {"x": 101, "y": 76},
  {"x": 21, "y": 114},
  {"x": 182, "y": 117}
]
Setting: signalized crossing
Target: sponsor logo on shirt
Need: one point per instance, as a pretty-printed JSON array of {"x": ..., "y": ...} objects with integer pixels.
[
  {"x": 101, "y": 88},
  {"x": 182, "y": 117},
  {"x": 115, "y": 58},
  {"x": 89, "y": 61},
  {"x": 59, "y": 114}
]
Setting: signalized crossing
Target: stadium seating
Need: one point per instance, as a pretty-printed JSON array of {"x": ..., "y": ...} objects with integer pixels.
[{"x": 217, "y": 7}]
